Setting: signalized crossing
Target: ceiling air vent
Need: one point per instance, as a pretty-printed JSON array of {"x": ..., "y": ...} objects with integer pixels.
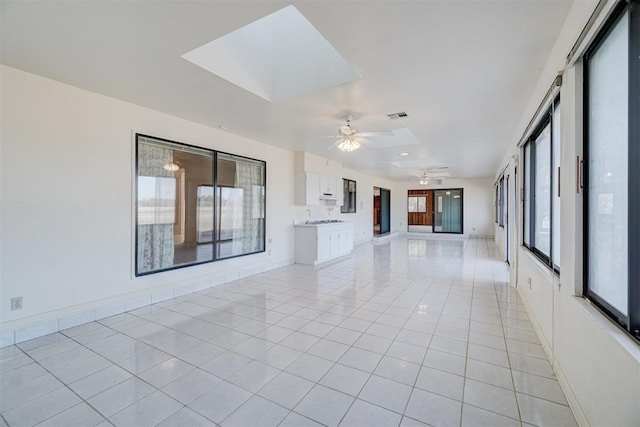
[{"x": 396, "y": 116}]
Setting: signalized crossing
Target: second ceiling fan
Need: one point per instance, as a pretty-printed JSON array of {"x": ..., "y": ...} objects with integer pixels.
[{"x": 349, "y": 139}]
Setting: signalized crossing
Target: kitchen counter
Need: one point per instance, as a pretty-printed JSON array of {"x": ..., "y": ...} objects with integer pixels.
[
  {"x": 320, "y": 223},
  {"x": 320, "y": 241}
]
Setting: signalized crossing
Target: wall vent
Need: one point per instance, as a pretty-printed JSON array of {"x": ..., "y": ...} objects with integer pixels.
[{"x": 396, "y": 116}]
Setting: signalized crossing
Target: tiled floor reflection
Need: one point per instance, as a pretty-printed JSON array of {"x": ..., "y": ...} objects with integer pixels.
[{"x": 407, "y": 333}]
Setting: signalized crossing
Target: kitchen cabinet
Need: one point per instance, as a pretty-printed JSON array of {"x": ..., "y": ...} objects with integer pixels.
[
  {"x": 307, "y": 188},
  {"x": 328, "y": 186},
  {"x": 318, "y": 243},
  {"x": 312, "y": 189}
]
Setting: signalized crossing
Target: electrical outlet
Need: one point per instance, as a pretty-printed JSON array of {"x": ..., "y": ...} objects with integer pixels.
[
  {"x": 16, "y": 303},
  {"x": 529, "y": 282}
]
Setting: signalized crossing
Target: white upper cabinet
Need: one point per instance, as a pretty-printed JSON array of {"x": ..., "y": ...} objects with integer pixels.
[
  {"x": 307, "y": 189},
  {"x": 312, "y": 189},
  {"x": 328, "y": 187}
]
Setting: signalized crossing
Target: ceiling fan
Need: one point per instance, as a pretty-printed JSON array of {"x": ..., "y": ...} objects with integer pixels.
[
  {"x": 435, "y": 172},
  {"x": 349, "y": 139}
]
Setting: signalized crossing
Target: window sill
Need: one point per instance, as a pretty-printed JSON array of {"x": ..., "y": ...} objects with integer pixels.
[
  {"x": 610, "y": 328},
  {"x": 544, "y": 268}
]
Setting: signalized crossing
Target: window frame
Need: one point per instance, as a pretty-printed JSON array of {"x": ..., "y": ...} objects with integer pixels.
[
  {"x": 417, "y": 197},
  {"x": 497, "y": 202},
  {"x": 501, "y": 201},
  {"x": 631, "y": 322},
  {"x": 529, "y": 188},
  {"x": 214, "y": 180},
  {"x": 346, "y": 205}
]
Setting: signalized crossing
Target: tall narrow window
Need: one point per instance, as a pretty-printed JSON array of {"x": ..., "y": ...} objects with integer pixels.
[
  {"x": 542, "y": 195},
  {"x": 527, "y": 199},
  {"x": 501, "y": 199},
  {"x": 349, "y": 196},
  {"x": 612, "y": 211},
  {"x": 555, "y": 183},
  {"x": 541, "y": 204}
]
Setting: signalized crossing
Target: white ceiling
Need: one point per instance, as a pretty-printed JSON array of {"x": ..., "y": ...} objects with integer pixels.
[{"x": 462, "y": 70}]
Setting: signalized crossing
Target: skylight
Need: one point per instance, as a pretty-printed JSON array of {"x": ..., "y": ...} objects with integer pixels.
[{"x": 279, "y": 56}]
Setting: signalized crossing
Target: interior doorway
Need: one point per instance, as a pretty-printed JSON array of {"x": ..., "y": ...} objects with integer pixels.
[{"x": 381, "y": 211}]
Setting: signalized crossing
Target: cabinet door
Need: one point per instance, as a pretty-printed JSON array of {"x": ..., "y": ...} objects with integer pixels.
[
  {"x": 346, "y": 241},
  {"x": 324, "y": 245},
  {"x": 312, "y": 189},
  {"x": 328, "y": 185},
  {"x": 340, "y": 192},
  {"x": 335, "y": 242}
]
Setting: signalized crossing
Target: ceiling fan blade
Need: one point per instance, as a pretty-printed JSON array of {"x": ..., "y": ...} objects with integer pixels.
[
  {"x": 334, "y": 144},
  {"x": 381, "y": 133}
]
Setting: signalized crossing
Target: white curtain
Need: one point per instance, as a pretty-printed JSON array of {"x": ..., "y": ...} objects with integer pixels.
[
  {"x": 249, "y": 238},
  {"x": 156, "y": 185}
]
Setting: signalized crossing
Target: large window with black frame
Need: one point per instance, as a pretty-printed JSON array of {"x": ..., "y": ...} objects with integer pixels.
[
  {"x": 541, "y": 205},
  {"x": 195, "y": 205},
  {"x": 611, "y": 174}
]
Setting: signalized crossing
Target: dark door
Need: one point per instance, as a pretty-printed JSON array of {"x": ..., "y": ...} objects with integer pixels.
[{"x": 385, "y": 211}]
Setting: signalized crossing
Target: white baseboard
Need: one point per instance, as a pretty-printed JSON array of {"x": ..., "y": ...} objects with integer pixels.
[
  {"x": 574, "y": 405},
  {"x": 58, "y": 320},
  {"x": 578, "y": 413}
]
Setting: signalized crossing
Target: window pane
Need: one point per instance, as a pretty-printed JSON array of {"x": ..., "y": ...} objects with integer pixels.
[
  {"x": 527, "y": 191},
  {"x": 497, "y": 202},
  {"x": 204, "y": 214},
  {"x": 501, "y": 198},
  {"x": 241, "y": 204},
  {"x": 174, "y": 223},
  {"x": 608, "y": 170},
  {"x": 422, "y": 204},
  {"x": 413, "y": 204},
  {"x": 542, "y": 196},
  {"x": 345, "y": 196},
  {"x": 349, "y": 201},
  {"x": 555, "y": 226}
]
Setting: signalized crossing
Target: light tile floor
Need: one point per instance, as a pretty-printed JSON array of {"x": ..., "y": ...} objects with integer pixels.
[{"x": 407, "y": 333}]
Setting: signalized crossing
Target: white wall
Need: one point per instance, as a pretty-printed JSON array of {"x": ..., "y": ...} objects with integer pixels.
[
  {"x": 66, "y": 219},
  {"x": 478, "y": 217},
  {"x": 597, "y": 365},
  {"x": 67, "y": 209}
]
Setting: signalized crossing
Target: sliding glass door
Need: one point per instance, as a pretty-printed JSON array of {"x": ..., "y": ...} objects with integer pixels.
[{"x": 447, "y": 213}]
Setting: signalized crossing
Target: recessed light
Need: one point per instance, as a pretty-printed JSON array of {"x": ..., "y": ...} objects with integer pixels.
[{"x": 404, "y": 153}]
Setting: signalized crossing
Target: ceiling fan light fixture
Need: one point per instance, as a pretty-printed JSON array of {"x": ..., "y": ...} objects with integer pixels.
[
  {"x": 424, "y": 179},
  {"x": 348, "y": 145},
  {"x": 170, "y": 167}
]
